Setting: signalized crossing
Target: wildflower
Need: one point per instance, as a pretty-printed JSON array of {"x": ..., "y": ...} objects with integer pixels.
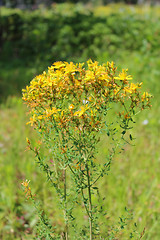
[
  {"x": 40, "y": 117},
  {"x": 58, "y": 65},
  {"x": 50, "y": 112},
  {"x": 90, "y": 99},
  {"x": 28, "y": 140},
  {"x": 26, "y": 183},
  {"x": 71, "y": 107},
  {"x": 89, "y": 76},
  {"x": 116, "y": 90},
  {"x": 146, "y": 96},
  {"x": 68, "y": 105},
  {"x": 70, "y": 68},
  {"x": 49, "y": 95},
  {"x": 81, "y": 111},
  {"x": 131, "y": 89},
  {"x": 126, "y": 116},
  {"x": 32, "y": 120},
  {"x": 27, "y": 189},
  {"x": 123, "y": 76}
]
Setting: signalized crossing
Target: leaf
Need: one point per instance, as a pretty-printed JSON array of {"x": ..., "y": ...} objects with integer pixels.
[
  {"x": 124, "y": 132},
  {"x": 130, "y": 136}
]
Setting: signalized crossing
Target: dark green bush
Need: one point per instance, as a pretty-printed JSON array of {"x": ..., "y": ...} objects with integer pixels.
[
  {"x": 32, "y": 40},
  {"x": 63, "y": 37}
]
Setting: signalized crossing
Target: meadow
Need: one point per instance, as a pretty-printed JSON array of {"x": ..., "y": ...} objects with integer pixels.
[{"x": 134, "y": 179}]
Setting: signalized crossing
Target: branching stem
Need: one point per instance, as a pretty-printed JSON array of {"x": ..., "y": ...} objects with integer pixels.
[
  {"x": 90, "y": 202},
  {"x": 65, "y": 204}
]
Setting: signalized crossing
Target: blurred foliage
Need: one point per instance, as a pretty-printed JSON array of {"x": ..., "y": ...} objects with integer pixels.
[
  {"x": 32, "y": 3},
  {"x": 70, "y": 32},
  {"x": 65, "y": 33}
]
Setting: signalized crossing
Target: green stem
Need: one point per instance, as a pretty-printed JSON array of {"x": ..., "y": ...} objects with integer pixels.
[
  {"x": 102, "y": 171},
  {"x": 65, "y": 204},
  {"x": 85, "y": 203},
  {"x": 90, "y": 203},
  {"x": 63, "y": 144}
]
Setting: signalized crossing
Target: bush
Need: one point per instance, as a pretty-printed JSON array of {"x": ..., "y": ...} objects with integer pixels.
[
  {"x": 59, "y": 36},
  {"x": 32, "y": 40}
]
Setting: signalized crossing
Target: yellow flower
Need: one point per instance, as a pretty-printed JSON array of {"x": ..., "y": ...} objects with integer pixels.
[
  {"x": 70, "y": 68},
  {"x": 92, "y": 65},
  {"x": 90, "y": 99},
  {"x": 146, "y": 96},
  {"x": 28, "y": 140},
  {"x": 89, "y": 75},
  {"x": 50, "y": 112},
  {"x": 88, "y": 88},
  {"x": 110, "y": 65},
  {"x": 116, "y": 90},
  {"x": 123, "y": 76},
  {"x": 26, "y": 183},
  {"x": 71, "y": 107},
  {"x": 58, "y": 65},
  {"x": 27, "y": 189},
  {"x": 132, "y": 88},
  {"x": 81, "y": 111},
  {"x": 32, "y": 120}
]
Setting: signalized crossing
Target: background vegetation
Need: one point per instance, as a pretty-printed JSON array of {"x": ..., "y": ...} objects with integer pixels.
[{"x": 32, "y": 40}]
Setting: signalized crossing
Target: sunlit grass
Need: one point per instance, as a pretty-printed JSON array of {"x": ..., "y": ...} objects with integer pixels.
[
  {"x": 143, "y": 10},
  {"x": 133, "y": 181}
]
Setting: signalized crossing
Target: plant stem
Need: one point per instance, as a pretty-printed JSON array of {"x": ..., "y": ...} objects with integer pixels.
[
  {"x": 65, "y": 205},
  {"x": 90, "y": 203}
]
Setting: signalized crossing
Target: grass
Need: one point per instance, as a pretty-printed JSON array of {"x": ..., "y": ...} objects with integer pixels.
[
  {"x": 133, "y": 181},
  {"x": 16, "y": 74},
  {"x": 134, "y": 177}
]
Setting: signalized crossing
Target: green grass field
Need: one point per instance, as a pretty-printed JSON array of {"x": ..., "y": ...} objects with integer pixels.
[
  {"x": 133, "y": 182},
  {"x": 134, "y": 179}
]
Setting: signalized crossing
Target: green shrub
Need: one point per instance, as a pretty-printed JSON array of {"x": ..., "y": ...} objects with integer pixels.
[
  {"x": 34, "y": 39},
  {"x": 59, "y": 36}
]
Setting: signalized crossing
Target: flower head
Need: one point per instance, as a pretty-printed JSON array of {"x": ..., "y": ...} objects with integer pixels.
[
  {"x": 64, "y": 94},
  {"x": 27, "y": 189},
  {"x": 123, "y": 76}
]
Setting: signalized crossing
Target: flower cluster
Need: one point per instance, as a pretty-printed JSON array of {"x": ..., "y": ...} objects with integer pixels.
[
  {"x": 70, "y": 92},
  {"x": 27, "y": 189}
]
